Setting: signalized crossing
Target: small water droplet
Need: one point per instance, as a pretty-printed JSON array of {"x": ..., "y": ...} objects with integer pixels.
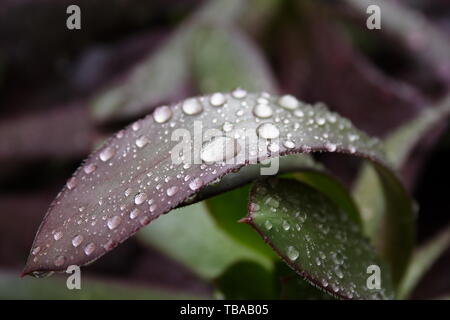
[
  {"x": 114, "y": 222},
  {"x": 286, "y": 226},
  {"x": 192, "y": 106},
  {"x": 172, "y": 191},
  {"x": 142, "y": 141},
  {"x": 162, "y": 114},
  {"x": 140, "y": 198},
  {"x": 89, "y": 249},
  {"x": 136, "y": 126},
  {"x": 217, "y": 99},
  {"x": 289, "y": 144},
  {"x": 330, "y": 146},
  {"x": 57, "y": 235},
  {"x": 77, "y": 240},
  {"x": 196, "y": 184},
  {"x": 89, "y": 168},
  {"x": 107, "y": 154},
  {"x": 135, "y": 213},
  {"x": 239, "y": 93},
  {"x": 288, "y": 102},
  {"x": 268, "y": 131},
  {"x": 59, "y": 261},
  {"x": 71, "y": 183},
  {"x": 227, "y": 126},
  {"x": 36, "y": 250},
  {"x": 268, "y": 224},
  {"x": 292, "y": 253},
  {"x": 262, "y": 111}
]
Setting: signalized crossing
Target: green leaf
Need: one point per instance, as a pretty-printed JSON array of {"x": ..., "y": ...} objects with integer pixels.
[
  {"x": 316, "y": 239},
  {"x": 190, "y": 236},
  {"x": 291, "y": 286},
  {"x": 227, "y": 209},
  {"x": 224, "y": 59},
  {"x": 422, "y": 260},
  {"x": 246, "y": 280},
  {"x": 368, "y": 190},
  {"x": 13, "y": 287}
]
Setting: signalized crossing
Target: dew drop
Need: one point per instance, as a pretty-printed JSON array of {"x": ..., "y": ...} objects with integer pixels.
[
  {"x": 136, "y": 126},
  {"x": 330, "y": 146},
  {"x": 140, "y": 198},
  {"x": 289, "y": 144},
  {"x": 217, "y": 99},
  {"x": 142, "y": 141},
  {"x": 192, "y": 106},
  {"x": 114, "y": 222},
  {"x": 89, "y": 249},
  {"x": 227, "y": 126},
  {"x": 220, "y": 149},
  {"x": 71, "y": 183},
  {"x": 57, "y": 235},
  {"x": 288, "y": 102},
  {"x": 268, "y": 225},
  {"x": 77, "y": 240},
  {"x": 89, "y": 168},
  {"x": 36, "y": 250},
  {"x": 59, "y": 261},
  {"x": 239, "y": 93},
  {"x": 196, "y": 184},
  {"x": 172, "y": 191},
  {"x": 107, "y": 154},
  {"x": 268, "y": 131},
  {"x": 286, "y": 226},
  {"x": 262, "y": 111},
  {"x": 292, "y": 253},
  {"x": 162, "y": 114},
  {"x": 135, "y": 213}
]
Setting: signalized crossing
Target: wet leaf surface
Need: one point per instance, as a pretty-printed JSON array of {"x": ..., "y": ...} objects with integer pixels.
[{"x": 316, "y": 239}]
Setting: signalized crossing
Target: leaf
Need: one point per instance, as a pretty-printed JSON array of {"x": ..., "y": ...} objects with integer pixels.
[
  {"x": 291, "y": 286},
  {"x": 246, "y": 280},
  {"x": 224, "y": 59},
  {"x": 422, "y": 260},
  {"x": 138, "y": 174},
  {"x": 189, "y": 235},
  {"x": 316, "y": 239},
  {"x": 227, "y": 209},
  {"x": 12, "y": 287},
  {"x": 368, "y": 191}
]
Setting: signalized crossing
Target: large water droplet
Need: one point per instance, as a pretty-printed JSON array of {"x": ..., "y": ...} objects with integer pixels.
[
  {"x": 140, "y": 198},
  {"x": 89, "y": 168},
  {"x": 71, "y": 183},
  {"x": 262, "y": 111},
  {"x": 268, "y": 131},
  {"x": 142, "y": 141},
  {"x": 89, "y": 249},
  {"x": 77, "y": 240},
  {"x": 107, "y": 154},
  {"x": 292, "y": 253},
  {"x": 192, "y": 106},
  {"x": 217, "y": 99},
  {"x": 57, "y": 235},
  {"x": 220, "y": 149},
  {"x": 172, "y": 191},
  {"x": 196, "y": 184},
  {"x": 239, "y": 93},
  {"x": 288, "y": 102},
  {"x": 114, "y": 222},
  {"x": 162, "y": 114},
  {"x": 135, "y": 213}
]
